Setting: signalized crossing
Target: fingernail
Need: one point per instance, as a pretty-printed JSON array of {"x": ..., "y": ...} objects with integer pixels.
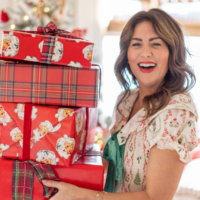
[{"x": 44, "y": 181}]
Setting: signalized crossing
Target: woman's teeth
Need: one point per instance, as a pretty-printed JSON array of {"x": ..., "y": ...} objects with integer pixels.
[{"x": 147, "y": 65}]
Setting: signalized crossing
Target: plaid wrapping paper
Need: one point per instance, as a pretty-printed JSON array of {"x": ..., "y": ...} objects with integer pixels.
[
  {"x": 22, "y": 187},
  {"x": 49, "y": 42},
  {"x": 49, "y": 85},
  {"x": 47, "y": 51}
]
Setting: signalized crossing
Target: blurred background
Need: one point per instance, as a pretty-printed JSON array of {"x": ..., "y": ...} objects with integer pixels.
[{"x": 101, "y": 22}]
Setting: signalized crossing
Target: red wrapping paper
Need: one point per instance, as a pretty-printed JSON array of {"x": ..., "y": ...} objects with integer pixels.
[
  {"x": 49, "y": 85},
  {"x": 87, "y": 172},
  {"x": 92, "y": 124},
  {"x": 68, "y": 50},
  {"x": 50, "y": 135}
]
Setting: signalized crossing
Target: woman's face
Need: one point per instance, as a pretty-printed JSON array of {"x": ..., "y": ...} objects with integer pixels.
[{"x": 148, "y": 56}]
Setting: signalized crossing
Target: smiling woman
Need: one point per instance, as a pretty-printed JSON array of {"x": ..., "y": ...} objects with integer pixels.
[
  {"x": 148, "y": 53},
  {"x": 156, "y": 37},
  {"x": 154, "y": 124}
]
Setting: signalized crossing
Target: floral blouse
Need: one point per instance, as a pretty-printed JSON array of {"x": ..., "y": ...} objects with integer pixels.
[{"x": 170, "y": 128}]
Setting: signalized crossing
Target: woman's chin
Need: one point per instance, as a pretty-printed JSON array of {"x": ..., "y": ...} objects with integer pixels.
[{"x": 148, "y": 84}]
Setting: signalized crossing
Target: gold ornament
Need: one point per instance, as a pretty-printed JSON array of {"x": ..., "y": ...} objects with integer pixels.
[
  {"x": 40, "y": 4},
  {"x": 96, "y": 138},
  {"x": 100, "y": 143},
  {"x": 99, "y": 135}
]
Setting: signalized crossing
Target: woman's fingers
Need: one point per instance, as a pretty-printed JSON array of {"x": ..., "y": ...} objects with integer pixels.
[
  {"x": 56, "y": 197},
  {"x": 51, "y": 183}
]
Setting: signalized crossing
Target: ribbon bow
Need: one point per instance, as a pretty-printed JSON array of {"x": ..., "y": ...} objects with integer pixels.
[
  {"x": 23, "y": 177},
  {"x": 51, "y": 29},
  {"x": 51, "y": 33}
]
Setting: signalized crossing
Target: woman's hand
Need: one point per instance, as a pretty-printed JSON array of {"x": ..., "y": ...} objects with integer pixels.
[{"x": 68, "y": 191}]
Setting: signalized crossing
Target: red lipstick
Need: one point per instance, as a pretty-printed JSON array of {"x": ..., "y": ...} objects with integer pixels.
[{"x": 146, "y": 69}]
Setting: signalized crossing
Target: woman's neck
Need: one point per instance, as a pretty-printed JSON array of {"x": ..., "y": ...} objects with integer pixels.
[{"x": 144, "y": 91}]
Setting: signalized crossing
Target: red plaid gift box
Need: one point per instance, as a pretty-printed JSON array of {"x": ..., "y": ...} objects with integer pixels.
[
  {"x": 48, "y": 45},
  {"x": 50, "y": 135},
  {"x": 49, "y": 85},
  {"x": 77, "y": 174}
]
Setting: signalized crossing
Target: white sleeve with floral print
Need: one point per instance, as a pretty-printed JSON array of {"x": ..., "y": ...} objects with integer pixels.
[{"x": 174, "y": 129}]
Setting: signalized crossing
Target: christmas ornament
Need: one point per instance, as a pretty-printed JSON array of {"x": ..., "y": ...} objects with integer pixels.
[{"x": 4, "y": 16}]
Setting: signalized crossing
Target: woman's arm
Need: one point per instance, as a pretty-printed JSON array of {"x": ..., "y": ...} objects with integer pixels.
[{"x": 163, "y": 174}]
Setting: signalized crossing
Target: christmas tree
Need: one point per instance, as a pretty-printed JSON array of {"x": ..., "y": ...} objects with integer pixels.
[
  {"x": 137, "y": 180},
  {"x": 29, "y": 14}
]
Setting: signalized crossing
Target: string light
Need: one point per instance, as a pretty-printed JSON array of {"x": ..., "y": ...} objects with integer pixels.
[
  {"x": 12, "y": 26},
  {"x": 46, "y": 9},
  {"x": 41, "y": 4},
  {"x": 35, "y": 9},
  {"x": 26, "y": 17}
]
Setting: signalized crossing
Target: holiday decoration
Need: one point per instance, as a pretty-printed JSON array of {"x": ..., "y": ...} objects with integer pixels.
[
  {"x": 100, "y": 137},
  {"x": 49, "y": 135},
  {"x": 49, "y": 85},
  {"x": 29, "y": 14},
  {"x": 49, "y": 45},
  {"x": 4, "y": 16}
]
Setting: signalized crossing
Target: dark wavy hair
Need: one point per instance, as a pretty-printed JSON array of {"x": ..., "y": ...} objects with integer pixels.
[{"x": 179, "y": 78}]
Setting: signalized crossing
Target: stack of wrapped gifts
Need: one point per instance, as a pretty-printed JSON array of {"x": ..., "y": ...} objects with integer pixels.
[{"x": 49, "y": 92}]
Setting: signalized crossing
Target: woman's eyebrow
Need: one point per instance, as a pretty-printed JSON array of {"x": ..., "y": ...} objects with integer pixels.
[
  {"x": 137, "y": 39},
  {"x": 154, "y": 38}
]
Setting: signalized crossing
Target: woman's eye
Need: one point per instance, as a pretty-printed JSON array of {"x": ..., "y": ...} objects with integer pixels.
[
  {"x": 136, "y": 44},
  {"x": 156, "y": 44}
]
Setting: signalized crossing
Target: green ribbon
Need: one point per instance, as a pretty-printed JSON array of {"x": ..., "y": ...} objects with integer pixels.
[{"x": 114, "y": 155}]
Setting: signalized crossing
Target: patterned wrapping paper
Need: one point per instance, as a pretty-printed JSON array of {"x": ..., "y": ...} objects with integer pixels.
[
  {"x": 49, "y": 85},
  {"x": 47, "y": 45},
  {"x": 56, "y": 136}
]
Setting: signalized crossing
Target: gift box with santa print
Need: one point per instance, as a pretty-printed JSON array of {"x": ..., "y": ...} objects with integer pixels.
[
  {"x": 77, "y": 174},
  {"x": 47, "y": 45},
  {"x": 49, "y": 135},
  {"x": 49, "y": 85}
]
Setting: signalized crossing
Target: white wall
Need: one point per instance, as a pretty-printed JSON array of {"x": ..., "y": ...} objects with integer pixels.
[{"x": 4, "y": 3}]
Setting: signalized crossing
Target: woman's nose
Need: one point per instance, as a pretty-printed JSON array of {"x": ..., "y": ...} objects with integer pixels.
[{"x": 146, "y": 51}]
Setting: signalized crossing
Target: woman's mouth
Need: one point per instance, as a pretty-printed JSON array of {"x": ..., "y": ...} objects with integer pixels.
[{"x": 147, "y": 67}]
